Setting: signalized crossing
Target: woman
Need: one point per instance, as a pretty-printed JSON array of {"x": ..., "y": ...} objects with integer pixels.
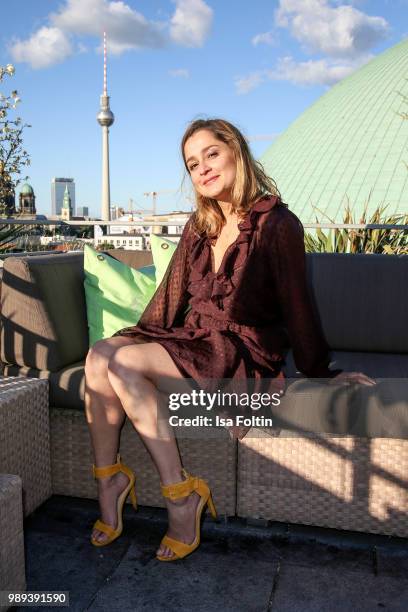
[{"x": 240, "y": 268}]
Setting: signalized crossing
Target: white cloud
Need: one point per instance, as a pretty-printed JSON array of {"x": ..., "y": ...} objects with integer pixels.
[
  {"x": 332, "y": 28},
  {"x": 311, "y": 72},
  {"x": 191, "y": 22},
  {"x": 44, "y": 48},
  {"x": 179, "y": 72},
  {"x": 246, "y": 84},
  {"x": 337, "y": 31},
  {"x": 314, "y": 72},
  {"x": 267, "y": 38},
  {"x": 127, "y": 29}
]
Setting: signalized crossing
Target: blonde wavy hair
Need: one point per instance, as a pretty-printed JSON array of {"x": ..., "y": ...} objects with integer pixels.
[{"x": 251, "y": 182}]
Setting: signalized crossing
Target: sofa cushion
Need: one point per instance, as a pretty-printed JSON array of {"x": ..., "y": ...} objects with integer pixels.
[
  {"x": 359, "y": 410},
  {"x": 116, "y": 294},
  {"x": 362, "y": 300},
  {"x": 365, "y": 411},
  {"x": 43, "y": 310},
  {"x": 162, "y": 251}
]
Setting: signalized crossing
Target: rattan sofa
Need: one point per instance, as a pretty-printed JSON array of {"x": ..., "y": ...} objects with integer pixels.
[{"x": 340, "y": 461}]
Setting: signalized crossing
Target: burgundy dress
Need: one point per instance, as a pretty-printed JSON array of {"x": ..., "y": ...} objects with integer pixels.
[{"x": 243, "y": 317}]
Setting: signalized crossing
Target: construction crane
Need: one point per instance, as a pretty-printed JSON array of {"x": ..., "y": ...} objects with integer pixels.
[
  {"x": 153, "y": 195},
  {"x": 136, "y": 210}
]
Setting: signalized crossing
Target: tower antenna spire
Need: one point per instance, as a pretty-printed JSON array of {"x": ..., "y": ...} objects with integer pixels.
[{"x": 105, "y": 77}]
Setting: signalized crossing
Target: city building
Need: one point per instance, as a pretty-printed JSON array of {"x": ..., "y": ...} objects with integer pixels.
[
  {"x": 66, "y": 210},
  {"x": 172, "y": 231},
  {"x": 82, "y": 211},
  {"x": 116, "y": 212},
  {"x": 126, "y": 242},
  {"x": 57, "y": 193},
  {"x": 350, "y": 146},
  {"x": 27, "y": 200},
  {"x": 126, "y": 229},
  {"x": 138, "y": 237}
]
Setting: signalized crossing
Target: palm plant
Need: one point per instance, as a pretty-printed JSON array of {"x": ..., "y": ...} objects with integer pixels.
[
  {"x": 9, "y": 235},
  {"x": 361, "y": 240}
]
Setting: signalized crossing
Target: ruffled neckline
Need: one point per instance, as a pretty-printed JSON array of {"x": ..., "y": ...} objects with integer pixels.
[
  {"x": 234, "y": 256},
  {"x": 261, "y": 206}
]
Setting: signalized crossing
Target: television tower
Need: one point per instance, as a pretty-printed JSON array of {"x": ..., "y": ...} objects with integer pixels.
[{"x": 105, "y": 119}]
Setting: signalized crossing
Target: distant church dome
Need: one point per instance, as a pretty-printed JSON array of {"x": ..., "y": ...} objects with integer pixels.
[
  {"x": 349, "y": 146},
  {"x": 27, "y": 200},
  {"x": 27, "y": 189}
]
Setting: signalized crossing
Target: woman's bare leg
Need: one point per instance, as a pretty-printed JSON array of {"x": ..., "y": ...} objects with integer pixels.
[
  {"x": 105, "y": 416},
  {"x": 136, "y": 373}
]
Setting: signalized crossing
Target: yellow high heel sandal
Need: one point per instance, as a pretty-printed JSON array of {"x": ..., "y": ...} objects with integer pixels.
[
  {"x": 103, "y": 472},
  {"x": 191, "y": 484}
]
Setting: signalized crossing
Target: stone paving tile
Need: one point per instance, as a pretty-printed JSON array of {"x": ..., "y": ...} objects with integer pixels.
[
  {"x": 75, "y": 517},
  {"x": 215, "y": 577},
  {"x": 312, "y": 589},
  {"x": 392, "y": 564},
  {"x": 60, "y": 557},
  {"x": 66, "y": 563},
  {"x": 325, "y": 555}
]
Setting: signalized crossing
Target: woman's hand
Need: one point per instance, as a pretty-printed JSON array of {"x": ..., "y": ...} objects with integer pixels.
[{"x": 352, "y": 377}]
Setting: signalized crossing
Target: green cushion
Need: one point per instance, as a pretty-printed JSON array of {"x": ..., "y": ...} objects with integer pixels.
[
  {"x": 162, "y": 251},
  {"x": 116, "y": 294}
]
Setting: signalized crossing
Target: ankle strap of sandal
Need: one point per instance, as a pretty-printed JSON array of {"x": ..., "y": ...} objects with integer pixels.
[
  {"x": 180, "y": 489},
  {"x": 107, "y": 470}
]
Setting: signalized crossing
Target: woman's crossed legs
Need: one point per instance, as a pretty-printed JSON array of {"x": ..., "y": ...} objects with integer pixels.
[{"x": 122, "y": 379}]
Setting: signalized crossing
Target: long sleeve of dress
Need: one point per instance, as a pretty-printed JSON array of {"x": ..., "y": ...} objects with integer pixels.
[
  {"x": 310, "y": 348},
  {"x": 167, "y": 306}
]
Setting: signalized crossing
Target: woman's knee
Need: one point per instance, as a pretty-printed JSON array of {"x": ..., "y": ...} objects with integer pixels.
[
  {"x": 126, "y": 378},
  {"x": 99, "y": 354},
  {"x": 130, "y": 367},
  {"x": 126, "y": 361},
  {"x": 97, "y": 357}
]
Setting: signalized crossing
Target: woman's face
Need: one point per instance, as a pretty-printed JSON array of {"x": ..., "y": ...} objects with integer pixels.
[{"x": 211, "y": 164}]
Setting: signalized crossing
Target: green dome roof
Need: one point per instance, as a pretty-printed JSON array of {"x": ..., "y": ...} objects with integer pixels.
[
  {"x": 27, "y": 189},
  {"x": 349, "y": 146}
]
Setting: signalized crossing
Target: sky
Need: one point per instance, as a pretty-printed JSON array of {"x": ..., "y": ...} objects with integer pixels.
[{"x": 259, "y": 64}]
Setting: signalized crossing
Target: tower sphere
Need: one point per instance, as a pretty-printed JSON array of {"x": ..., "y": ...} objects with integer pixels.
[{"x": 105, "y": 117}]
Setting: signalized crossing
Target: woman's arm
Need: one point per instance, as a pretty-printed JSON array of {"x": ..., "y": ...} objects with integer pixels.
[
  {"x": 167, "y": 306},
  {"x": 310, "y": 348}
]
